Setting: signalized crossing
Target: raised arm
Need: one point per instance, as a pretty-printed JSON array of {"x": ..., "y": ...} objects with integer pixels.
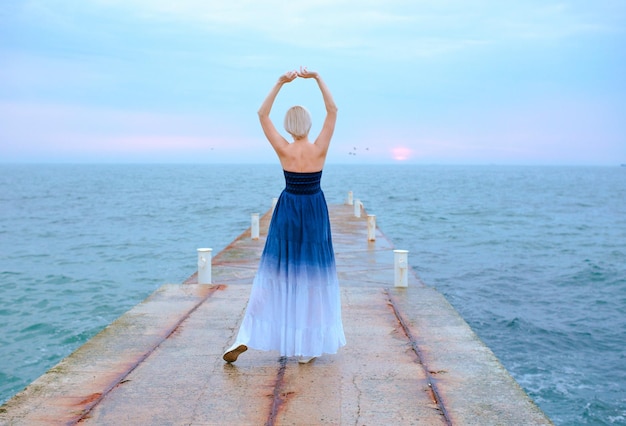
[
  {"x": 328, "y": 128},
  {"x": 272, "y": 135}
]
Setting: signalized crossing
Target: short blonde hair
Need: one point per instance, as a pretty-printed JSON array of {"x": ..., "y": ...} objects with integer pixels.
[{"x": 298, "y": 121}]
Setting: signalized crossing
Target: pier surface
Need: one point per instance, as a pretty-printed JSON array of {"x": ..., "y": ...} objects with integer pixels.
[{"x": 410, "y": 359}]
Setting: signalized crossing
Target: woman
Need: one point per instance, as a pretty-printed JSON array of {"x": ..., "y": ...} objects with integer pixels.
[{"x": 294, "y": 305}]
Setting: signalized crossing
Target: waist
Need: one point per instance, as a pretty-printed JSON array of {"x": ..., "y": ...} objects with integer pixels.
[
  {"x": 302, "y": 183},
  {"x": 301, "y": 190}
]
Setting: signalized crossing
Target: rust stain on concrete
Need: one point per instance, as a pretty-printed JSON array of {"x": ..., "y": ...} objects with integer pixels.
[
  {"x": 90, "y": 399},
  {"x": 90, "y": 402},
  {"x": 278, "y": 397}
]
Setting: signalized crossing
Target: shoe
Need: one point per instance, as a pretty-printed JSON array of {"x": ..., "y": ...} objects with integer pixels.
[
  {"x": 306, "y": 359},
  {"x": 233, "y": 352}
]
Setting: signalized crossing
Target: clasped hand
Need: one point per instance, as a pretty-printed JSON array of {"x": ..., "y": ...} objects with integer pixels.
[{"x": 290, "y": 76}]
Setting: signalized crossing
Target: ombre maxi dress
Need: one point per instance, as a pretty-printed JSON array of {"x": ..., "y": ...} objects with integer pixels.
[{"x": 294, "y": 306}]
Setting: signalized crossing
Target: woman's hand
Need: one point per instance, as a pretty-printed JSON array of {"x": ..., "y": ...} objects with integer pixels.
[
  {"x": 304, "y": 73},
  {"x": 288, "y": 77}
]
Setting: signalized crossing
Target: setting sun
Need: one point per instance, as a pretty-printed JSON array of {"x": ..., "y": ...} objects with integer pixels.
[{"x": 400, "y": 153}]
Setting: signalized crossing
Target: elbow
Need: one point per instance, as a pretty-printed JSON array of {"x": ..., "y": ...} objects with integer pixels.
[{"x": 332, "y": 109}]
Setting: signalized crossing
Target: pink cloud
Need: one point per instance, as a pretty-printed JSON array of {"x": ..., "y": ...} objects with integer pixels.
[{"x": 42, "y": 131}]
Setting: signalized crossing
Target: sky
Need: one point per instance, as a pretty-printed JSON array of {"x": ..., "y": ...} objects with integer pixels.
[{"x": 415, "y": 81}]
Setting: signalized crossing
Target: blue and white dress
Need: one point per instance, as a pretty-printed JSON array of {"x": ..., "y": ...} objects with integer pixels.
[{"x": 294, "y": 306}]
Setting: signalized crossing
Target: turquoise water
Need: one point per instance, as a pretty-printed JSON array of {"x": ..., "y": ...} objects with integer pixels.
[{"x": 534, "y": 258}]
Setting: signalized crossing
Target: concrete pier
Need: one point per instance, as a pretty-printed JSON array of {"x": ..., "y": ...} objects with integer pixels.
[{"x": 410, "y": 358}]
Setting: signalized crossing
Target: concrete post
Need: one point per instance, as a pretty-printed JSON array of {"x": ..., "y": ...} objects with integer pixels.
[
  {"x": 401, "y": 268},
  {"x": 350, "y": 198},
  {"x": 357, "y": 208},
  {"x": 204, "y": 265},
  {"x": 371, "y": 227},
  {"x": 254, "y": 228}
]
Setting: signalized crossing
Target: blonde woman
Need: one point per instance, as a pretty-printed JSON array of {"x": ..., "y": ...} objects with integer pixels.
[{"x": 294, "y": 306}]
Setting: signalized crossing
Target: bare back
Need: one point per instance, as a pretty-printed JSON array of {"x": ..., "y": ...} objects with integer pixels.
[{"x": 301, "y": 156}]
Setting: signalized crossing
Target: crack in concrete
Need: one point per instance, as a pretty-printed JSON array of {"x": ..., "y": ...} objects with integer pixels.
[
  {"x": 220, "y": 361},
  {"x": 235, "y": 329},
  {"x": 358, "y": 400}
]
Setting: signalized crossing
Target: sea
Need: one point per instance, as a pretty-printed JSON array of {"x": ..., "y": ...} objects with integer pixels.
[{"x": 533, "y": 257}]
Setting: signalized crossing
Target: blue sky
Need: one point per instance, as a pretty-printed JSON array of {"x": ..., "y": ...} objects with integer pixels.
[{"x": 417, "y": 81}]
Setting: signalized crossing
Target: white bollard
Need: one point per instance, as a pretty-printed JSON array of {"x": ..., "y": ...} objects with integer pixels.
[
  {"x": 371, "y": 227},
  {"x": 274, "y": 202},
  {"x": 204, "y": 265},
  {"x": 350, "y": 198},
  {"x": 254, "y": 227},
  {"x": 357, "y": 208},
  {"x": 401, "y": 268}
]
